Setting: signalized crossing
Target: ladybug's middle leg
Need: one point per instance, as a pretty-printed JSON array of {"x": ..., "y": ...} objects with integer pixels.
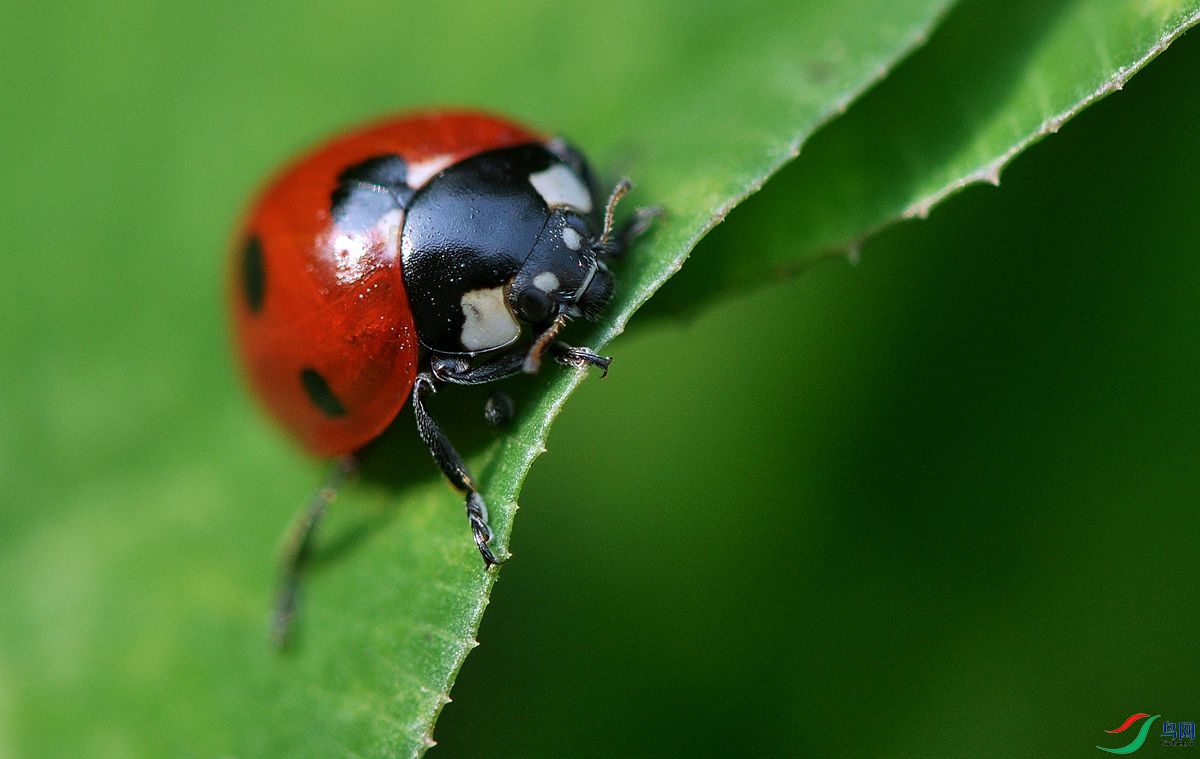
[{"x": 453, "y": 467}]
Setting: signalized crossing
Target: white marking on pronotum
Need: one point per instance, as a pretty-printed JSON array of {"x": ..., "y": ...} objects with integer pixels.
[
  {"x": 572, "y": 238},
  {"x": 487, "y": 322},
  {"x": 421, "y": 172},
  {"x": 546, "y": 282},
  {"x": 559, "y": 186}
]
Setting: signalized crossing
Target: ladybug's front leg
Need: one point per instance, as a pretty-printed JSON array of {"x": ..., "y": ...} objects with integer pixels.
[
  {"x": 580, "y": 358},
  {"x": 458, "y": 371},
  {"x": 453, "y": 467}
]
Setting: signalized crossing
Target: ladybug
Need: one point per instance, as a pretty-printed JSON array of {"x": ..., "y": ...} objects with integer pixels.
[{"x": 438, "y": 248}]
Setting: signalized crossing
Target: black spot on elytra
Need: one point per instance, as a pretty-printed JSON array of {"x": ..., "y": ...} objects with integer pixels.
[
  {"x": 369, "y": 190},
  {"x": 388, "y": 171},
  {"x": 254, "y": 281},
  {"x": 320, "y": 394}
]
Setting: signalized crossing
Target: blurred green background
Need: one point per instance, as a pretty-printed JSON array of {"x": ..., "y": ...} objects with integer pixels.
[{"x": 941, "y": 502}]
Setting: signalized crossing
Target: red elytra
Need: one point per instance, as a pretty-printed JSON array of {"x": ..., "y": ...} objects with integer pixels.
[{"x": 331, "y": 304}]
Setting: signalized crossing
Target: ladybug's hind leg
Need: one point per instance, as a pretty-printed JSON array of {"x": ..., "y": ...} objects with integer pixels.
[
  {"x": 298, "y": 547},
  {"x": 453, "y": 467}
]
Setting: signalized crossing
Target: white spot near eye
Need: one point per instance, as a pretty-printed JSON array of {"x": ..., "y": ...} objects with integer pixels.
[
  {"x": 559, "y": 186},
  {"x": 546, "y": 281},
  {"x": 572, "y": 238},
  {"x": 487, "y": 322}
]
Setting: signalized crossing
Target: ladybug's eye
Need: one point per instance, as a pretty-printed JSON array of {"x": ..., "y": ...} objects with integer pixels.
[{"x": 536, "y": 305}]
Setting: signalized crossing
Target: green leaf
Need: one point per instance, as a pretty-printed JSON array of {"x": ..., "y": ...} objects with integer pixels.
[
  {"x": 145, "y": 497},
  {"x": 996, "y": 78}
]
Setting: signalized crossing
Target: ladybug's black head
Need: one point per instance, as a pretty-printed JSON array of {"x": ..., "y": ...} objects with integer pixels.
[
  {"x": 565, "y": 276},
  {"x": 565, "y": 272}
]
